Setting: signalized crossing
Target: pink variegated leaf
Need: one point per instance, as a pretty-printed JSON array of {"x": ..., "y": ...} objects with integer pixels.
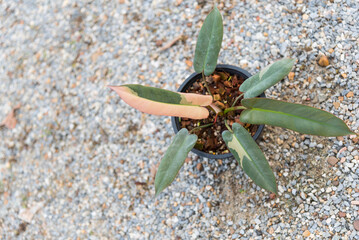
[{"x": 163, "y": 102}]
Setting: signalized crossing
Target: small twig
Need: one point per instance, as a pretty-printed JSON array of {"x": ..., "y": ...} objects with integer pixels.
[
  {"x": 170, "y": 44},
  {"x": 299, "y": 10},
  {"x": 199, "y": 127},
  {"x": 235, "y": 101}
]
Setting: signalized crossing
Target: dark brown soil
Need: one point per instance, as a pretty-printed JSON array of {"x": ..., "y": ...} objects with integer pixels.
[{"x": 225, "y": 88}]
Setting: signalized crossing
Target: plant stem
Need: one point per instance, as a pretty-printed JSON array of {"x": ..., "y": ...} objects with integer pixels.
[
  {"x": 228, "y": 127},
  {"x": 235, "y": 101},
  {"x": 233, "y": 109},
  {"x": 205, "y": 84},
  {"x": 199, "y": 127},
  {"x": 215, "y": 119}
]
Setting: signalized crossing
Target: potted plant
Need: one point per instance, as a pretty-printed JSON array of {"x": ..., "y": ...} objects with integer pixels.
[
  {"x": 207, "y": 145},
  {"x": 218, "y": 111}
]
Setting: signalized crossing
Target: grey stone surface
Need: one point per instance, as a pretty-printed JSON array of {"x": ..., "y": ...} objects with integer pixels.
[{"x": 80, "y": 162}]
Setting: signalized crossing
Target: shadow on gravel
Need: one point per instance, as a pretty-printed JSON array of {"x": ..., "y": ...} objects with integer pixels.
[{"x": 295, "y": 169}]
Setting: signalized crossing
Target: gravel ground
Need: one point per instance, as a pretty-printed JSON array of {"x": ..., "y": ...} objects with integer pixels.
[{"x": 80, "y": 163}]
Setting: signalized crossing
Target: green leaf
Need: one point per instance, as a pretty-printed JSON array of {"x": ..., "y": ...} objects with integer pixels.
[
  {"x": 266, "y": 78},
  {"x": 209, "y": 43},
  {"x": 174, "y": 158},
  {"x": 163, "y": 102},
  {"x": 297, "y": 117},
  {"x": 250, "y": 157}
]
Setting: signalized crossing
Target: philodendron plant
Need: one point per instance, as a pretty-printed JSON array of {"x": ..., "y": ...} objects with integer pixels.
[{"x": 300, "y": 118}]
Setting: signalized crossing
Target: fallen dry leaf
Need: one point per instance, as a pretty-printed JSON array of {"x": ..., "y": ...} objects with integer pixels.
[
  {"x": 27, "y": 214},
  {"x": 10, "y": 120},
  {"x": 171, "y": 43},
  {"x": 216, "y": 77},
  {"x": 95, "y": 55}
]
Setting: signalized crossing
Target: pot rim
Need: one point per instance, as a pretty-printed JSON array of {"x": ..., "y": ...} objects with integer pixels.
[{"x": 193, "y": 77}]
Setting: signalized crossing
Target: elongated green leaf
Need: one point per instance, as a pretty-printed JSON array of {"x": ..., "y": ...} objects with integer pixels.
[
  {"x": 209, "y": 43},
  {"x": 163, "y": 102},
  {"x": 174, "y": 159},
  {"x": 250, "y": 157},
  {"x": 296, "y": 117},
  {"x": 266, "y": 78}
]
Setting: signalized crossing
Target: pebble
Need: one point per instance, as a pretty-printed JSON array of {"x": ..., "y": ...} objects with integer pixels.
[
  {"x": 291, "y": 76},
  {"x": 323, "y": 61},
  {"x": 335, "y": 183},
  {"x": 332, "y": 160},
  {"x": 342, "y": 214},
  {"x": 199, "y": 167},
  {"x": 303, "y": 195},
  {"x": 356, "y": 225},
  {"x": 306, "y": 233}
]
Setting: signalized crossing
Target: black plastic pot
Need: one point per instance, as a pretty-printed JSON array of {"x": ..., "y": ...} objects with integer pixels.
[{"x": 193, "y": 78}]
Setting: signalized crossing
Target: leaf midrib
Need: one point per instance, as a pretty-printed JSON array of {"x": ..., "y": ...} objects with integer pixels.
[
  {"x": 177, "y": 154},
  {"x": 249, "y": 158},
  {"x": 210, "y": 41},
  {"x": 189, "y": 105},
  {"x": 254, "y": 163},
  {"x": 291, "y": 115}
]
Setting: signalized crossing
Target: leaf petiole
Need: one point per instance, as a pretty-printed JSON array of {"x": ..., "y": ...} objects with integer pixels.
[
  {"x": 199, "y": 127},
  {"x": 235, "y": 101},
  {"x": 233, "y": 109},
  {"x": 228, "y": 127},
  {"x": 205, "y": 84}
]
